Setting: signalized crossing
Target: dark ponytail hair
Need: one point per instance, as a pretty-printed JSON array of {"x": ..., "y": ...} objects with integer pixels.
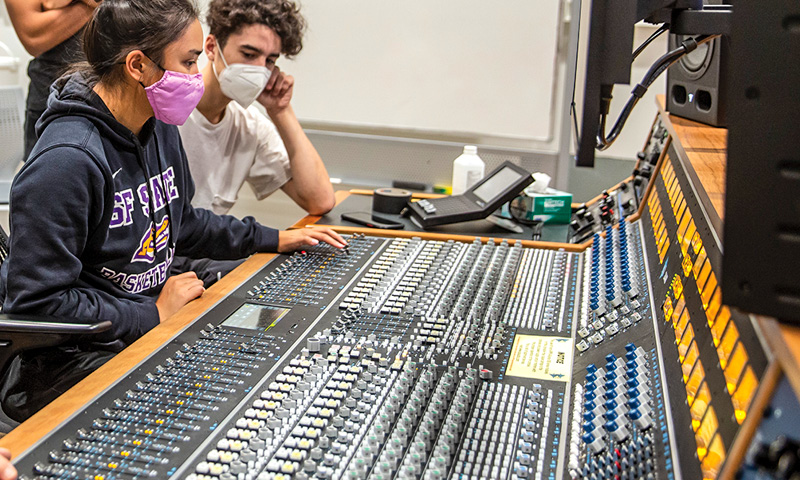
[{"x": 120, "y": 26}]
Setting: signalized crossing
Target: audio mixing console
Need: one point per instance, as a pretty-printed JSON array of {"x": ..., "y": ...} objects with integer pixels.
[{"x": 409, "y": 358}]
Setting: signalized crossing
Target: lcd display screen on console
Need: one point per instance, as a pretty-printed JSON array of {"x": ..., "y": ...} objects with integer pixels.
[
  {"x": 256, "y": 317},
  {"x": 494, "y": 186}
]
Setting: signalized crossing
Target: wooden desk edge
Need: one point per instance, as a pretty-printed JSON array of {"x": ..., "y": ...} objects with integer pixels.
[
  {"x": 784, "y": 343},
  {"x": 569, "y": 247},
  {"x": 414, "y": 195},
  {"x": 342, "y": 194},
  {"x": 53, "y": 415}
]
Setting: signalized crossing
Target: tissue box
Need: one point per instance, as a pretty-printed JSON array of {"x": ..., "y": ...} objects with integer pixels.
[{"x": 553, "y": 206}]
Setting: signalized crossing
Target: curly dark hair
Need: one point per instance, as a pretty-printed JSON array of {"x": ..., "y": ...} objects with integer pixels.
[{"x": 226, "y": 17}]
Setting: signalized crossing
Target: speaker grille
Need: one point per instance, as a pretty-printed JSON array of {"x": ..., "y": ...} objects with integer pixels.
[{"x": 695, "y": 64}]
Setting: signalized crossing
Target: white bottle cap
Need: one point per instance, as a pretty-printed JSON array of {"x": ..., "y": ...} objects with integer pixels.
[{"x": 470, "y": 149}]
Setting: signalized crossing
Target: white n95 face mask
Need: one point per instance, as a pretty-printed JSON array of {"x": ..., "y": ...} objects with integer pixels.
[{"x": 241, "y": 82}]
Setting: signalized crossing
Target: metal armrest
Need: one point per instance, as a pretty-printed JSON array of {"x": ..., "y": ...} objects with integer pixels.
[
  {"x": 44, "y": 324},
  {"x": 27, "y": 332}
]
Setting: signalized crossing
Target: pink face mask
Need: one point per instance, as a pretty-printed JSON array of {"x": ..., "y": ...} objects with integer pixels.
[{"x": 175, "y": 96}]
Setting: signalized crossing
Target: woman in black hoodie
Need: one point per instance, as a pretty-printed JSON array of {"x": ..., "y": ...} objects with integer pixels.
[{"x": 103, "y": 205}]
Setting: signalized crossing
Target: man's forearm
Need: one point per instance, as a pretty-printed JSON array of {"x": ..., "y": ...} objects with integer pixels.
[
  {"x": 310, "y": 185},
  {"x": 39, "y": 31}
]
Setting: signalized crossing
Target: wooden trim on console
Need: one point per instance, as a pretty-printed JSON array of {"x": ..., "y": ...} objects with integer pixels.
[
  {"x": 414, "y": 195},
  {"x": 784, "y": 343},
  {"x": 791, "y": 340},
  {"x": 310, "y": 220},
  {"x": 62, "y": 408},
  {"x": 737, "y": 452},
  {"x": 652, "y": 182},
  {"x": 569, "y": 247}
]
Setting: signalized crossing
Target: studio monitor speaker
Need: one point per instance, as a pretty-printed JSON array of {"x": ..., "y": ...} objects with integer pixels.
[{"x": 697, "y": 83}]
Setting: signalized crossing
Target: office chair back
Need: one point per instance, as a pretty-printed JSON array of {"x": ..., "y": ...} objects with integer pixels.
[{"x": 26, "y": 332}]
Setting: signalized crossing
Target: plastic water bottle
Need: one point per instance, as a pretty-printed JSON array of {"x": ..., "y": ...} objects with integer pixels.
[{"x": 467, "y": 169}]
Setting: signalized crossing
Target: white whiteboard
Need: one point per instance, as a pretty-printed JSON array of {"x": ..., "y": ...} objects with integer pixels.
[{"x": 461, "y": 66}]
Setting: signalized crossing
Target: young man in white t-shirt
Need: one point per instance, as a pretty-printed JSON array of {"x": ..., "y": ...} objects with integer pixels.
[{"x": 227, "y": 140}]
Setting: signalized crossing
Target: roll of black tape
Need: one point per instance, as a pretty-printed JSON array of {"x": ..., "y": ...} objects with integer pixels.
[{"x": 390, "y": 200}]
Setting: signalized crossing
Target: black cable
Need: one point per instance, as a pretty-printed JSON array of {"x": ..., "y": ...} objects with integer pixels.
[
  {"x": 606, "y": 94},
  {"x": 574, "y": 83},
  {"x": 663, "y": 28},
  {"x": 574, "y": 114},
  {"x": 663, "y": 63}
]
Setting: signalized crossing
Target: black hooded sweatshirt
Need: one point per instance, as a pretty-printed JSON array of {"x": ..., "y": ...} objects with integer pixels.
[{"x": 97, "y": 214}]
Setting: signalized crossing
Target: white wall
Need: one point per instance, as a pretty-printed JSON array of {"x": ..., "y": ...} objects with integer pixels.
[
  {"x": 467, "y": 67},
  {"x": 489, "y": 70},
  {"x": 9, "y": 38},
  {"x": 532, "y": 82},
  {"x": 451, "y": 70}
]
